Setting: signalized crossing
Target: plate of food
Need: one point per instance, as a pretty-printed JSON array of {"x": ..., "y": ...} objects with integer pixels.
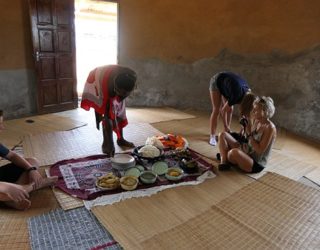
[
  {"x": 189, "y": 166},
  {"x": 174, "y": 174},
  {"x": 108, "y": 182},
  {"x": 129, "y": 182},
  {"x": 148, "y": 152},
  {"x": 160, "y": 167},
  {"x": 171, "y": 141}
]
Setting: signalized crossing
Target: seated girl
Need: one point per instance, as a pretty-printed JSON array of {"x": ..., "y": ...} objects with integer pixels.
[
  {"x": 19, "y": 178},
  {"x": 251, "y": 155}
]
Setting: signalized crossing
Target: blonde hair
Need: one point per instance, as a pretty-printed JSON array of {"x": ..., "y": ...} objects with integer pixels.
[{"x": 267, "y": 105}]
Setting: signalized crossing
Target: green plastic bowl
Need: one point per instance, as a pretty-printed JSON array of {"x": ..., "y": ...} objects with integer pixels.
[{"x": 148, "y": 177}]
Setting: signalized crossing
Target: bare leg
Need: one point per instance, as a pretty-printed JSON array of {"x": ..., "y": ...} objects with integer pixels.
[
  {"x": 123, "y": 142},
  {"x": 24, "y": 178},
  {"x": 215, "y": 97},
  {"x": 226, "y": 142},
  {"x": 240, "y": 158},
  {"x": 107, "y": 145},
  {"x": 28, "y": 187},
  {"x": 229, "y": 117},
  {"x": 46, "y": 182},
  {"x": 25, "y": 182}
]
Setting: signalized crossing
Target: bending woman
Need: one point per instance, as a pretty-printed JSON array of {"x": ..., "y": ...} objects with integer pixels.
[
  {"x": 252, "y": 156},
  {"x": 105, "y": 91},
  {"x": 226, "y": 89}
]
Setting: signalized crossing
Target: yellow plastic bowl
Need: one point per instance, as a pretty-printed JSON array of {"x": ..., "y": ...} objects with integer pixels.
[{"x": 129, "y": 182}]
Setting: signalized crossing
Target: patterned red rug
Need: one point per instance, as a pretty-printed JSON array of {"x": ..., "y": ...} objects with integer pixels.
[{"x": 77, "y": 177}]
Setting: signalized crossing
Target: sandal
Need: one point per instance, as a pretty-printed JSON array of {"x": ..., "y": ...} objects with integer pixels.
[
  {"x": 224, "y": 167},
  {"x": 218, "y": 156}
]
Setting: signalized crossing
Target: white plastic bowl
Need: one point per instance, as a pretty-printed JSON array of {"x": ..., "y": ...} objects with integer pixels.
[{"x": 123, "y": 161}]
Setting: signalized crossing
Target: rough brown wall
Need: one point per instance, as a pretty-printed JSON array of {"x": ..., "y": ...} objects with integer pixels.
[
  {"x": 176, "y": 46},
  {"x": 186, "y": 31},
  {"x": 17, "y": 77},
  {"x": 15, "y": 42}
]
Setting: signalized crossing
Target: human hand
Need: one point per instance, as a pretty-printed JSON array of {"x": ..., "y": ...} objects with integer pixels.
[
  {"x": 35, "y": 176},
  {"x": 226, "y": 108},
  {"x": 244, "y": 121},
  {"x": 227, "y": 129},
  {"x": 15, "y": 192}
]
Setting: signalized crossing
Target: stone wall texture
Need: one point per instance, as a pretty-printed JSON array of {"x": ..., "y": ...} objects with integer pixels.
[{"x": 176, "y": 46}]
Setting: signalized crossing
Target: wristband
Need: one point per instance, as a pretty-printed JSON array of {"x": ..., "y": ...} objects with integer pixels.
[{"x": 31, "y": 169}]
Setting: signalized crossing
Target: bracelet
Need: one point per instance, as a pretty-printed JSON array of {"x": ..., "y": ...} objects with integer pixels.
[{"x": 31, "y": 169}]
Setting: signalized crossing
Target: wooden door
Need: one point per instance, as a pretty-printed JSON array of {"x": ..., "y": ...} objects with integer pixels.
[{"x": 53, "y": 35}]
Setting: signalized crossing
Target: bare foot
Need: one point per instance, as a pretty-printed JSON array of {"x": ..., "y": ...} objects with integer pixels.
[
  {"x": 20, "y": 205},
  {"x": 108, "y": 147},
  {"x": 47, "y": 182},
  {"x": 124, "y": 143}
]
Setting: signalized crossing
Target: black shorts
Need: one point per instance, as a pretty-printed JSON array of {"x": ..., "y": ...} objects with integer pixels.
[
  {"x": 10, "y": 173},
  {"x": 238, "y": 137},
  {"x": 256, "y": 168}
]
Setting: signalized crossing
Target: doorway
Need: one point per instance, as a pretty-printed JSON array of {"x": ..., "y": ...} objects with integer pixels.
[{"x": 96, "y": 28}]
